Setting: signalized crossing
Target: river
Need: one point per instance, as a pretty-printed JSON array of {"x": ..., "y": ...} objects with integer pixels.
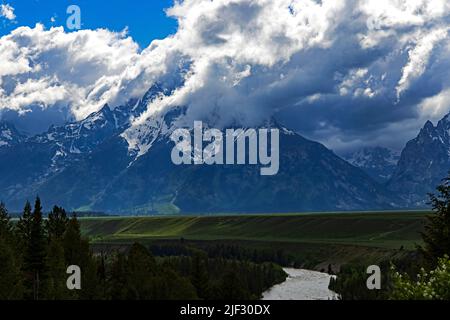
[{"x": 302, "y": 285}]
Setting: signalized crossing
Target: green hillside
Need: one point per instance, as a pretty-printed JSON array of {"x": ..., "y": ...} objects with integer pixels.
[{"x": 390, "y": 230}]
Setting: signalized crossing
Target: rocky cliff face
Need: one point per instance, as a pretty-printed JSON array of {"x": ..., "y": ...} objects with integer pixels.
[
  {"x": 380, "y": 163},
  {"x": 424, "y": 162},
  {"x": 102, "y": 164}
]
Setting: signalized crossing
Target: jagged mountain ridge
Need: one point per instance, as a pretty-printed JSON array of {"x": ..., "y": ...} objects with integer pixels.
[
  {"x": 27, "y": 165},
  {"x": 380, "y": 163},
  {"x": 92, "y": 165},
  {"x": 311, "y": 178},
  {"x": 9, "y": 135},
  {"x": 424, "y": 162}
]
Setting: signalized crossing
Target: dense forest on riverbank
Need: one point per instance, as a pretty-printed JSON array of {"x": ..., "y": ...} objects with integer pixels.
[
  {"x": 35, "y": 253},
  {"x": 421, "y": 275},
  {"x": 222, "y": 257}
]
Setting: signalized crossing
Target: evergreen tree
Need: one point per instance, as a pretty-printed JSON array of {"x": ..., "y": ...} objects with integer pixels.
[
  {"x": 232, "y": 287},
  {"x": 55, "y": 287},
  {"x": 11, "y": 287},
  {"x": 36, "y": 249},
  {"x": 5, "y": 222},
  {"x": 141, "y": 274},
  {"x": 72, "y": 242},
  {"x": 199, "y": 276},
  {"x": 55, "y": 265},
  {"x": 23, "y": 228},
  {"x": 77, "y": 252},
  {"x": 90, "y": 273},
  {"x": 437, "y": 231},
  {"x": 117, "y": 282},
  {"x": 10, "y": 275},
  {"x": 56, "y": 223}
]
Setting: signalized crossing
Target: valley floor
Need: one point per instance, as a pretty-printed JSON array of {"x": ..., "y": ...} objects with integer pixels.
[{"x": 308, "y": 240}]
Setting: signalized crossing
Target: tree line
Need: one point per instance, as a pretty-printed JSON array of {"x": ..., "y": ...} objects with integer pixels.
[
  {"x": 223, "y": 250},
  {"x": 36, "y": 251},
  {"x": 419, "y": 275}
]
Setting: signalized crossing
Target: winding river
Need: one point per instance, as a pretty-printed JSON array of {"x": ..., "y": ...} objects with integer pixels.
[{"x": 302, "y": 285}]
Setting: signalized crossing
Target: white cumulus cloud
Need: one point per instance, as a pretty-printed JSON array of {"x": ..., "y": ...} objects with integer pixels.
[
  {"x": 354, "y": 66},
  {"x": 7, "y": 12},
  {"x": 82, "y": 70}
]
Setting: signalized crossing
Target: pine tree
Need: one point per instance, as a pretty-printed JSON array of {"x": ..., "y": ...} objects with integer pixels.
[
  {"x": 23, "y": 229},
  {"x": 5, "y": 222},
  {"x": 77, "y": 252},
  {"x": 199, "y": 276},
  {"x": 437, "y": 231},
  {"x": 142, "y": 274},
  {"x": 232, "y": 287},
  {"x": 56, "y": 223},
  {"x": 54, "y": 288},
  {"x": 36, "y": 250},
  {"x": 72, "y": 242},
  {"x": 10, "y": 276},
  {"x": 118, "y": 278}
]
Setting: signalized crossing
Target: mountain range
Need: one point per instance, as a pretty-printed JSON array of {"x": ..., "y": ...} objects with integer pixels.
[
  {"x": 380, "y": 163},
  {"x": 424, "y": 162},
  {"x": 94, "y": 165}
]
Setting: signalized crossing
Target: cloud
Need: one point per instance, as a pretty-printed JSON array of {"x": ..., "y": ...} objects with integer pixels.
[
  {"x": 7, "y": 12},
  {"x": 339, "y": 71},
  {"x": 82, "y": 70},
  {"x": 419, "y": 57}
]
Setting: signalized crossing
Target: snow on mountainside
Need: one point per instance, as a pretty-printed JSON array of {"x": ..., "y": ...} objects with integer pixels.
[
  {"x": 9, "y": 135},
  {"x": 142, "y": 137},
  {"x": 424, "y": 162},
  {"x": 378, "y": 162},
  {"x": 104, "y": 163},
  {"x": 311, "y": 178},
  {"x": 83, "y": 136}
]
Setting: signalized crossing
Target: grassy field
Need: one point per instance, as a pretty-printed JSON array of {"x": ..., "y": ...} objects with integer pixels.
[
  {"x": 389, "y": 230},
  {"x": 315, "y": 240}
]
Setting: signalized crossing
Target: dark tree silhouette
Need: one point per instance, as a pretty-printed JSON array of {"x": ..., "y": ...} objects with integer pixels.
[
  {"x": 199, "y": 277},
  {"x": 23, "y": 229},
  {"x": 10, "y": 276},
  {"x": 36, "y": 249},
  {"x": 5, "y": 222},
  {"x": 56, "y": 223},
  {"x": 35, "y": 267},
  {"x": 436, "y": 236}
]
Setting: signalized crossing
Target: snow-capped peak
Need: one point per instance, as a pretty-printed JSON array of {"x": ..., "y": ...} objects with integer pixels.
[
  {"x": 141, "y": 137},
  {"x": 9, "y": 135},
  {"x": 378, "y": 162}
]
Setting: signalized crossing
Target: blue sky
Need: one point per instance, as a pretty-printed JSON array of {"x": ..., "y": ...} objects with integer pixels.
[
  {"x": 345, "y": 73},
  {"x": 146, "y": 20}
]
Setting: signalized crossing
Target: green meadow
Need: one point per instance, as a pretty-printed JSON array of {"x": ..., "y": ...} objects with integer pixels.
[
  {"x": 389, "y": 230},
  {"x": 314, "y": 240}
]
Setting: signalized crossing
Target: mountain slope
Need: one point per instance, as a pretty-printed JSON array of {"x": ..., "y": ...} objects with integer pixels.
[
  {"x": 9, "y": 136},
  {"x": 103, "y": 164},
  {"x": 424, "y": 162},
  {"x": 311, "y": 178},
  {"x": 25, "y": 166},
  {"x": 378, "y": 162}
]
